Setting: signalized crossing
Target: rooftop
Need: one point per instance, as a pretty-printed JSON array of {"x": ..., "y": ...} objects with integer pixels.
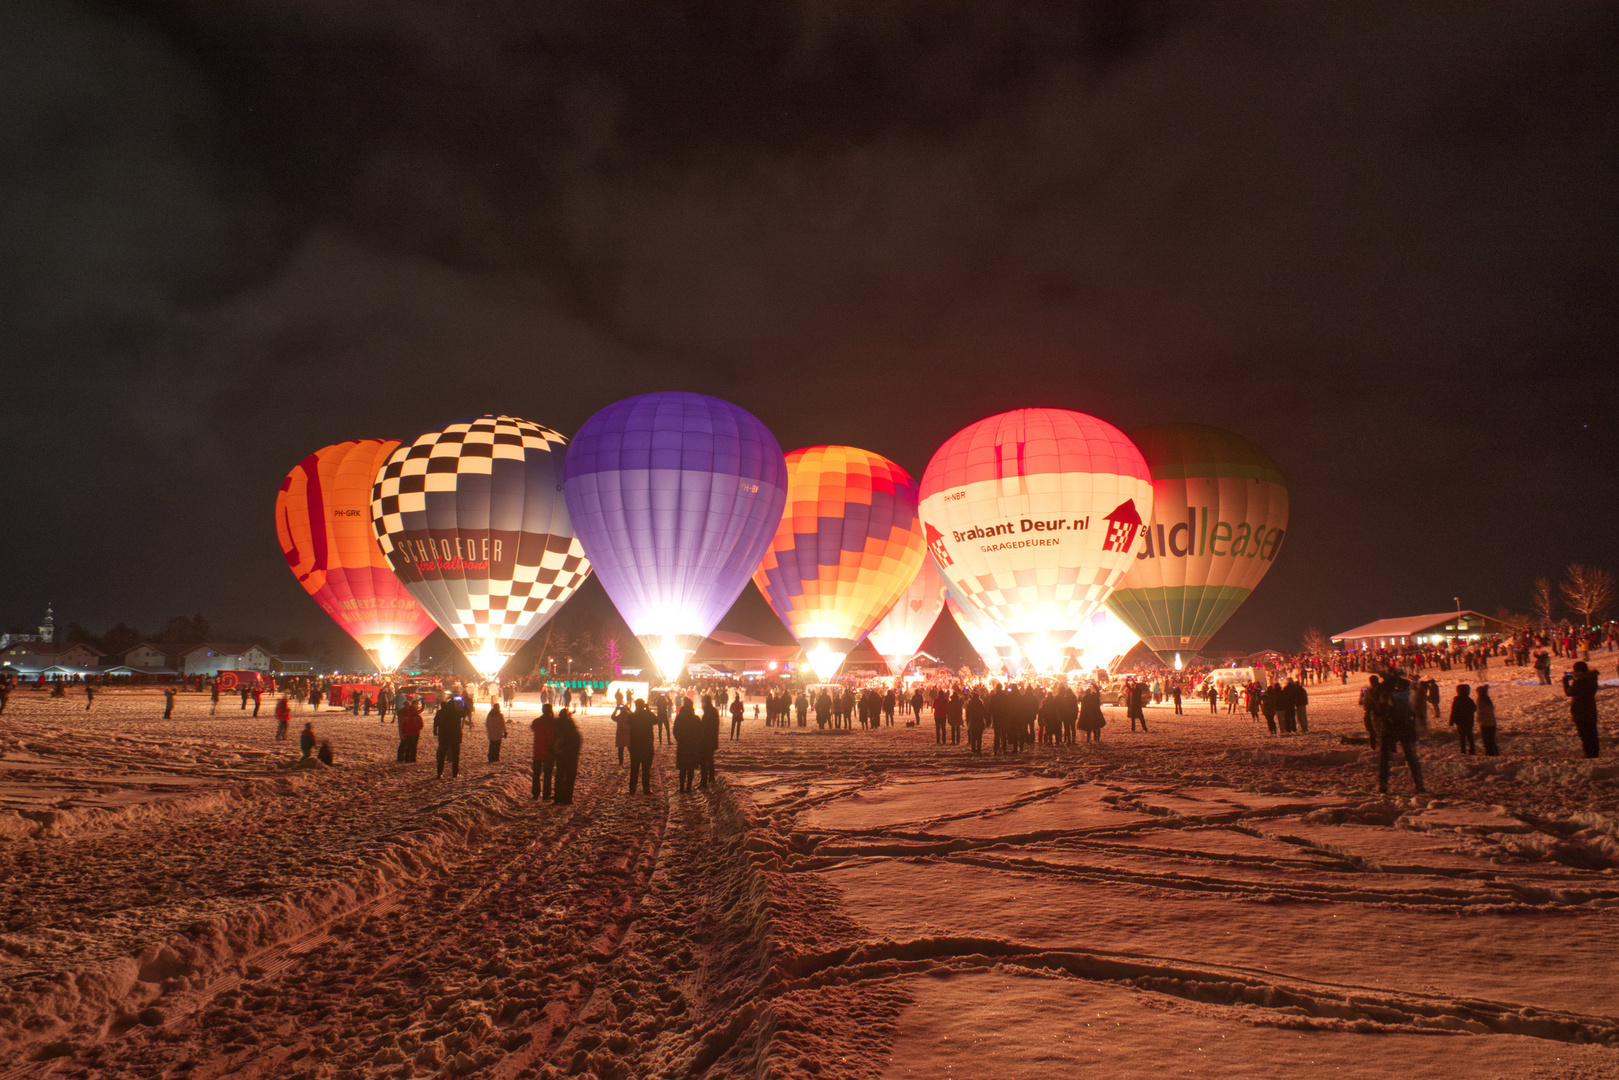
[{"x": 1410, "y": 625}]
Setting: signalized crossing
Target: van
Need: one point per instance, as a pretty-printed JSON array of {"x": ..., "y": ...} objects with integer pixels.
[{"x": 1220, "y": 678}]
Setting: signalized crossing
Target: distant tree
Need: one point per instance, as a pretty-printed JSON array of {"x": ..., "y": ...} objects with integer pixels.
[
  {"x": 120, "y": 639},
  {"x": 1543, "y": 602},
  {"x": 321, "y": 653},
  {"x": 183, "y": 631},
  {"x": 1587, "y": 590},
  {"x": 588, "y": 652},
  {"x": 1512, "y": 620},
  {"x": 77, "y": 633},
  {"x": 1316, "y": 643},
  {"x": 547, "y": 646}
]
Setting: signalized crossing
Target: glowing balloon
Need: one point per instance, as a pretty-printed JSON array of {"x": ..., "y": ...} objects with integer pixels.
[
  {"x": 323, "y": 523},
  {"x": 847, "y": 546},
  {"x": 1102, "y": 639},
  {"x": 1219, "y": 516},
  {"x": 675, "y": 497},
  {"x": 998, "y": 651},
  {"x": 1034, "y": 516},
  {"x": 901, "y": 632},
  {"x": 472, "y": 520}
]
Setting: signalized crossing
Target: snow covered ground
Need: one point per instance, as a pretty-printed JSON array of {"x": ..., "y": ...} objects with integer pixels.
[{"x": 1201, "y": 900}]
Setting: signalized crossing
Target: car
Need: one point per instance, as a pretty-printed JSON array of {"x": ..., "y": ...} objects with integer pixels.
[{"x": 1113, "y": 692}]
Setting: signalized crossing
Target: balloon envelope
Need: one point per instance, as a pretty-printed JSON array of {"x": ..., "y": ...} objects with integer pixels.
[
  {"x": 848, "y": 544},
  {"x": 471, "y": 518},
  {"x": 675, "y": 497},
  {"x": 324, "y": 525},
  {"x": 1102, "y": 639},
  {"x": 1219, "y": 516},
  {"x": 1034, "y": 516},
  {"x": 900, "y": 633}
]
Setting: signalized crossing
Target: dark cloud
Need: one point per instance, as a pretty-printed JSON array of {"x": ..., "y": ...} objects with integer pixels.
[{"x": 1379, "y": 241}]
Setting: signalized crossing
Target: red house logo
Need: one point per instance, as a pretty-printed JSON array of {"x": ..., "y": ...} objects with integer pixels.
[
  {"x": 936, "y": 545},
  {"x": 1122, "y": 525}
]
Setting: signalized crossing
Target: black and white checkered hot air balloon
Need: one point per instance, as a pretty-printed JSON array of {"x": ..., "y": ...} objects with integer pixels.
[{"x": 472, "y": 519}]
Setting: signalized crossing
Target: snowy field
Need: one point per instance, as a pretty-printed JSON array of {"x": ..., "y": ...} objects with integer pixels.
[{"x": 1202, "y": 901}]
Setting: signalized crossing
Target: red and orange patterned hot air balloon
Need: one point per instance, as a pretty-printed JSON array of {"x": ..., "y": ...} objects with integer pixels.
[
  {"x": 323, "y": 520},
  {"x": 848, "y": 545}
]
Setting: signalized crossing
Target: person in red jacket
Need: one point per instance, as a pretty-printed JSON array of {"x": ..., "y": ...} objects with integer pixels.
[
  {"x": 545, "y": 730},
  {"x": 283, "y": 716},
  {"x": 410, "y": 730}
]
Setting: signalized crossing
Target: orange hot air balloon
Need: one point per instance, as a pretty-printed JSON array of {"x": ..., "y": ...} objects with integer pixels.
[
  {"x": 323, "y": 520},
  {"x": 848, "y": 545}
]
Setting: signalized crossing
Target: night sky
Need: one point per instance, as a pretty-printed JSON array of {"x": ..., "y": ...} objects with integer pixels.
[{"x": 1380, "y": 241}]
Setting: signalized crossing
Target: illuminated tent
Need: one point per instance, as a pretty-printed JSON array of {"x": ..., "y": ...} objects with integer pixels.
[
  {"x": 901, "y": 632},
  {"x": 471, "y": 518},
  {"x": 323, "y": 523},
  {"x": 1219, "y": 516},
  {"x": 1034, "y": 517},
  {"x": 848, "y": 545},
  {"x": 675, "y": 497}
]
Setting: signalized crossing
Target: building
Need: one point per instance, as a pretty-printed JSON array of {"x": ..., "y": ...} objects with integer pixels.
[
  {"x": 146, "y": 662},
  {"x": 149, "y": 657},
  {"x": 212, "y": 657},
  {"x": 45, "y": 636},
  {"x": 727, "y": 653},
  {"x": 1420, "y": 630},
  {"x": 36, "y": 656},
  {"x": 738, "y": 654}
]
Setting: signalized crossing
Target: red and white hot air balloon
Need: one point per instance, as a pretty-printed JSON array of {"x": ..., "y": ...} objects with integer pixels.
[{"x": 1034, "y": 516}]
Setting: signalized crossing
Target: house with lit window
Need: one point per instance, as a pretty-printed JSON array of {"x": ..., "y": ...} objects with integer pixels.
[
  {"x": 1420, "y": 630},
  {"x": 212, "y": 657},
  {"x": 33, "y": 657},
  {"x": 147, "y": 662}
]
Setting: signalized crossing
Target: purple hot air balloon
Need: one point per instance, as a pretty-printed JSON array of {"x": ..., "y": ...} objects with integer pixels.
[{"x": 675, "y": 498}]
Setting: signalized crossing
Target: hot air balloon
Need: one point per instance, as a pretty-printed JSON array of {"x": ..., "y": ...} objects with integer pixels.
[
  {"x": 675, "y": 497},
  {"x": 1102, "y": 639},
  {"x": 901, "y": 632},
  {"x": 847, "y": 546},
  {"x": 472, "y": 520},
  {"x": 322, "y": 521},
  {"x": 1219, "y": 516},
  {"x": 1034, "y": 515},
  {"x": 998, "y": 651}
]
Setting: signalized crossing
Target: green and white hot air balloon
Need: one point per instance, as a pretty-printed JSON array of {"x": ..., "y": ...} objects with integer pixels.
[{"x": 1219, "y": 514}]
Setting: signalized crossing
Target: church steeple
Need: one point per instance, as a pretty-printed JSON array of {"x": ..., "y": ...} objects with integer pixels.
[{"x": 47, "y": 629}]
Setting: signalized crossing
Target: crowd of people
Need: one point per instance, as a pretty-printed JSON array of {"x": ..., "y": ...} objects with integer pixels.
[{"x": 1400, "y": 701}]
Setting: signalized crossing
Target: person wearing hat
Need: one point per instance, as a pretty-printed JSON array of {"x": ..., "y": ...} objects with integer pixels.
[{"x": 1581, "y": 687}]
